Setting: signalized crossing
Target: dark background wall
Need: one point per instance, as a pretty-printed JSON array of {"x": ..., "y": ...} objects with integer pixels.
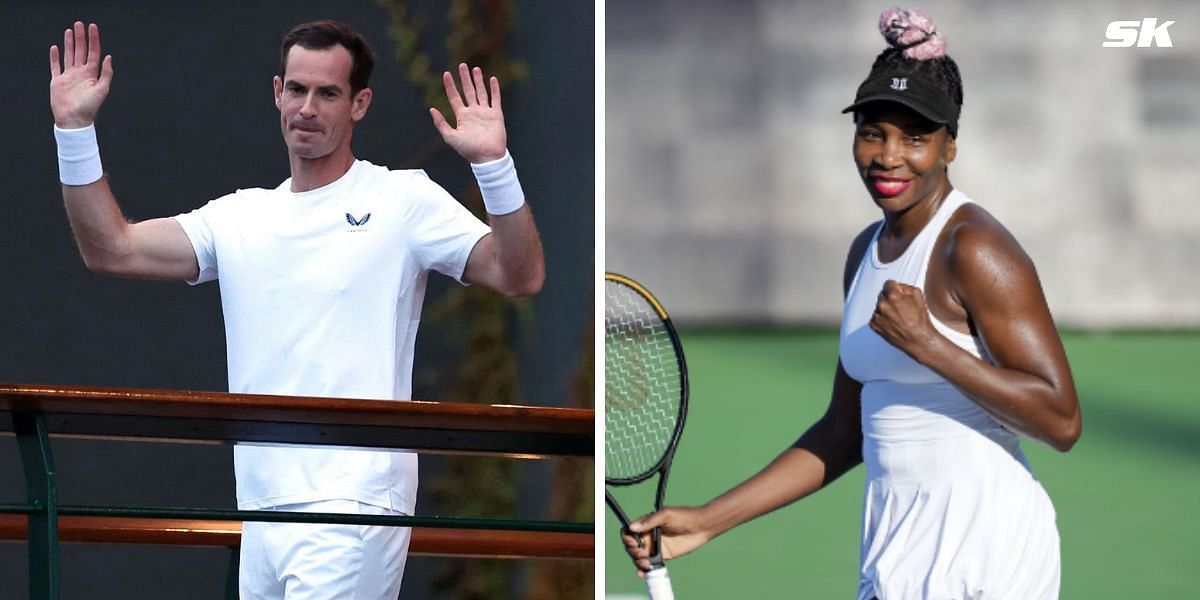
[{"x": 190, "y": 117}]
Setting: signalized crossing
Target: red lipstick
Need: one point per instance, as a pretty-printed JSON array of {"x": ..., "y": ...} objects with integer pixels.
[{"x": 889, "y": 186}]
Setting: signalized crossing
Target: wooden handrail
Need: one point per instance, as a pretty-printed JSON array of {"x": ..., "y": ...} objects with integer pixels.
[
  {"x": 36, "y": 413},
  {"x": 435, "y": 541},
  {"x": 216, "y": 416}
]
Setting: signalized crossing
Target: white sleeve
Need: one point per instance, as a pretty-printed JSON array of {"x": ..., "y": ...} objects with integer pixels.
[
  {"x": 199, "y": 225},
  {"x": 442, "y": 232}
]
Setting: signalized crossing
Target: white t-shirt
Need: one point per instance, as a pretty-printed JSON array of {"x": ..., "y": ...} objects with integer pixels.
[{"x": 322, "y": 292}]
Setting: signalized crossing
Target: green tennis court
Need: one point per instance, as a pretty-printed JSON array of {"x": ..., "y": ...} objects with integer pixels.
[{"x": 1127, "y": 495}]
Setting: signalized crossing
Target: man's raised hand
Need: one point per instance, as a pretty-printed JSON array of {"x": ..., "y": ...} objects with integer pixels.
[
  {"x": 478, "y": 134},
  {"x": 79, "y": 81}
]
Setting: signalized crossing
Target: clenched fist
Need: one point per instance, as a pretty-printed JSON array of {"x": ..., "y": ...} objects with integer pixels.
[{"x": 902, "y": 318}]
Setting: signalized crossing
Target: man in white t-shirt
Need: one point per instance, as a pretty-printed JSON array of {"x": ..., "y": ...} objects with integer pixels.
[{"x": 322, "y": 280}]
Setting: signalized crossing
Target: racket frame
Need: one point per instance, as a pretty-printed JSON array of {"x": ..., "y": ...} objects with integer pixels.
[{"x": 663, "y": 466}]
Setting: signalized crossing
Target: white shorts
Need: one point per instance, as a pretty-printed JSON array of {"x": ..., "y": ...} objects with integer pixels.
[{"x": 303, "y": 561}]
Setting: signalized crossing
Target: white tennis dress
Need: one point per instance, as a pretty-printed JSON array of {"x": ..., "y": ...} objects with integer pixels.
[{"x": 951, "y": 509}]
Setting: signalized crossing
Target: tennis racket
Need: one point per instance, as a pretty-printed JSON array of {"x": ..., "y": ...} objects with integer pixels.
[{"x": 645, "y": 402}]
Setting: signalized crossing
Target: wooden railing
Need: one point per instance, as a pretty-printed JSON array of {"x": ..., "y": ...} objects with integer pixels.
[
  {"x": 35, "y": 413},
  {"x": 426, "y": 541}
]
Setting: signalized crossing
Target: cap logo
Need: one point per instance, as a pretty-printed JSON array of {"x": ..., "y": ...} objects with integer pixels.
[{"x": 899, "y": 83}]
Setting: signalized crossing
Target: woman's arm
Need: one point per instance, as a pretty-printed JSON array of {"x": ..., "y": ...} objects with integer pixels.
[
  {"x": 831, "y": 447},
  {"x": 1029, "y": 387},
  {"x": 828, "y": 449}
]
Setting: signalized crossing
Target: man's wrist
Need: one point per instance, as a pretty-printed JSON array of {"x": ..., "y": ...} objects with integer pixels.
[
  {"x": 499, "y": 185},
  {"x": 78, "y": 155},
  {"x": 487, "y": 158},
  {"x": 73, "y": 123}
]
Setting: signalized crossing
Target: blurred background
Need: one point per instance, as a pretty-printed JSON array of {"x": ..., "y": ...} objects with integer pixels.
[
  {"x": 731, "y": 193},
  {"x": 191, "y": 118}
]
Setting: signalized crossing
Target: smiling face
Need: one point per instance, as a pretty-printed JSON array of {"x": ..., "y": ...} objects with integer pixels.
[
  {"x": 317, "y": 110},
  {"x": 901, "y": 156}
]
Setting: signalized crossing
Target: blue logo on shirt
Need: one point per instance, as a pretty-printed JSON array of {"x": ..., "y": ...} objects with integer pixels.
[{"x": 357, "y": 222}]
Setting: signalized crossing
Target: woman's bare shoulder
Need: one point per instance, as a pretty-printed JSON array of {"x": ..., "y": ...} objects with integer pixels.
[{"x": 974, "y": 237}]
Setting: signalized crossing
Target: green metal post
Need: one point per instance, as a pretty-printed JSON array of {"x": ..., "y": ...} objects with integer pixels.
[{"x": 43, "y": 499}]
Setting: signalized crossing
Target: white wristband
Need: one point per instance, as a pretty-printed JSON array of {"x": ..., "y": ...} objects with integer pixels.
[
  {"x": 499, "y": 185},
  {"x": 78, "y": 155}
]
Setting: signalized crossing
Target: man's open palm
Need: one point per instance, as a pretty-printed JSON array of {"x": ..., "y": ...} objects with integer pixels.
[
  {"x": 79, "y": 81},
  {"x": 478, "y": 134}
]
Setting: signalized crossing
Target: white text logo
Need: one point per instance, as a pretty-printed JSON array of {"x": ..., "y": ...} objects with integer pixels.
[
  {"x": 900, "y": 83},
  {"x": 1123, "y": 34}
]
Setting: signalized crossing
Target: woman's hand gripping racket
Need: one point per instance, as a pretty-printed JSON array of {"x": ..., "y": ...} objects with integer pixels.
[{"x": 645, "y": 402}]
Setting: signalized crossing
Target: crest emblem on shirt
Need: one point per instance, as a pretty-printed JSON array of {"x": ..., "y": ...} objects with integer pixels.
[{"x": 357, "y": 221}]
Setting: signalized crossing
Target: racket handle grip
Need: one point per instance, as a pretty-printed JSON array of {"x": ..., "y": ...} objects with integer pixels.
[{"x": 659, "y": 584}]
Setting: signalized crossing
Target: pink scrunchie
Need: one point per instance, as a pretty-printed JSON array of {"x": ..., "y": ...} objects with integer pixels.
[{"x": 914, "y": 31}]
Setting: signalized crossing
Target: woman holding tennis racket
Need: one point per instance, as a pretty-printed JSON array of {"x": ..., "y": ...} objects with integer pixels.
[{"x": 948, "y": 354}]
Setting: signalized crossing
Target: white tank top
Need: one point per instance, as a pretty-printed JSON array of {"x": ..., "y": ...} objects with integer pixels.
[
  {"x": 892, "y": 408},
  {"x": 951, "y": 508}
]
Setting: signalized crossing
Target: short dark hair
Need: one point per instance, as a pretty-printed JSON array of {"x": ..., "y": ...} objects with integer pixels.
[{"x": 319, "y": 35}]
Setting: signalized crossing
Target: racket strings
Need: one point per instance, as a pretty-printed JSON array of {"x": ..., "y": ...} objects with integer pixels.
[{"x": 643, "y": 388}]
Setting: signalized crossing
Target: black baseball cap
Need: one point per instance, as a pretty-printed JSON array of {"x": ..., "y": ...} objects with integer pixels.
[{"x": 912, "y": 90}]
